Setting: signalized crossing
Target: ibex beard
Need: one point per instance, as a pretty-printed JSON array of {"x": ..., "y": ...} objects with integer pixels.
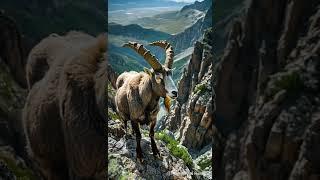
[{"x": 138, "y": 93}]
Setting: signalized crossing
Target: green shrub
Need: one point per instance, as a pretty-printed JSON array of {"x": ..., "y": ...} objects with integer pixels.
[
  {"x": 126, "y": 176},
  {"x": 110, "y": 89},
  {"x": 204, "y": 163},
  {"x": 292, "y": 83},
  {"x": 113, "y": 115},
  {"x": 175, "y": 149},
  {"x": 200, "y": 88},
  {"x": 6, "y": 89},
  {"x": 145, "y": 132},
  {"x": 19, "y": 172}
]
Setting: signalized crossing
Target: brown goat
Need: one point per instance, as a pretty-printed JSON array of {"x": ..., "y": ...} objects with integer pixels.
[
  {"x": 63, "y": 117},
  {"x": 49, "y": 49},
  {"x": 138, "y": 94}
]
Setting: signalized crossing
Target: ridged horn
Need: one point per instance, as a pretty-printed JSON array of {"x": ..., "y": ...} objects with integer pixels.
[
  {"x": 169, "y": 52},
  {"x": 151, "y": 59}
]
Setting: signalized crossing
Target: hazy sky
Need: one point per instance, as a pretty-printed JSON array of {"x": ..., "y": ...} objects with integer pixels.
[{"x": 186, "y": 1}]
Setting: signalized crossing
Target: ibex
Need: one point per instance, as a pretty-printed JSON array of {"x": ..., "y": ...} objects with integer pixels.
[
  {"x": 64, "y": 115},
  {"x": 138, "y": 94}
]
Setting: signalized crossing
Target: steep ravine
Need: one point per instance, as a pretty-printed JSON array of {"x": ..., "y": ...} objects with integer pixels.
[{"x": 267, "y": 91}]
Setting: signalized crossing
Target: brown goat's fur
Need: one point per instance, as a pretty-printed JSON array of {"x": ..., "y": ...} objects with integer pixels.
[
  {"x": 137, "y": 94},
  {"x": 49, "y": 49},
  {"x": 64, "y": 113},
  {"x": 137, "y": 100}
]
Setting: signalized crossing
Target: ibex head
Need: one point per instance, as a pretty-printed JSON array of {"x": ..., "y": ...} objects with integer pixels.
[{"x": 161, "y": 75}]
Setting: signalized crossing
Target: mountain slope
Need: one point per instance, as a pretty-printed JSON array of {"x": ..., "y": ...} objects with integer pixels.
[
  {"x": 201, "y": 6},
  {"x": 268, "y": 94},
  {"x": 181, "y": 41},
  {"x": 129, "y": 4},
  {"x": 137, "y": 32},
  {"x": 192, "y": 34},
  {"x": 125, "y": 59},
  {"x": 172, "y": 22}
]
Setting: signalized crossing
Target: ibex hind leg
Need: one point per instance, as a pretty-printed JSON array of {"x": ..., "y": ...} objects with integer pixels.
[
  {"x": 135, "y": 127},
  {"x": 155, "y": 150}
]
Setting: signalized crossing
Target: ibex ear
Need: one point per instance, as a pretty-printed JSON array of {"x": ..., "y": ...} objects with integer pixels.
[
  {"x": 148, "y": 71},
  {"x": 158, "y": 77}
]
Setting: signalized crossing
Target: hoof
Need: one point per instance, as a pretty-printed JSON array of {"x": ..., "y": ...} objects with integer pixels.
[
  {"x": 139, "y": 156},
  {"x": 140, "y": 160},
  {"x": 157, "y": 156},
  {"x": 155, "y": 150}
]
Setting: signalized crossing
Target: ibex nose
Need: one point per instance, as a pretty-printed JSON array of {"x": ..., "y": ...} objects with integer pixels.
[{"x": 175, "y": 93}]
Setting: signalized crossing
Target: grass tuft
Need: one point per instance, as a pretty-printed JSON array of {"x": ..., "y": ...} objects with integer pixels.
[
  {"x": 175, "y": 148},
  {"x": 19, "y": 172},
  {"x": 204, "y": 163}
]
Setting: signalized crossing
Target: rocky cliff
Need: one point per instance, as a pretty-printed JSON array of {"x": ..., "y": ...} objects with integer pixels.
[
  {"x": 267, "y": 91},
  {"x": 192, "y": 118},
  {"x": 193, "y": 111},
  {"x": 224, "y": 14},
  {"x": 12, "y": 98},
  {"x": 122, "y": 161},
  {"x": 12, "y": 50}
]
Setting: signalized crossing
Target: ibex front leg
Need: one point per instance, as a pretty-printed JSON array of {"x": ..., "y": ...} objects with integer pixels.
[
  {"x": 135, "y": 127},
  {"x": 153, "y": 143}
]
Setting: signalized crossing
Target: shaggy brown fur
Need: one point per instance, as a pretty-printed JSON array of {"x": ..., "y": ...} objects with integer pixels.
[
  {"x": 137, "y": 99},
  {"x": 49, "y": 49},
  {"x": 64, "y": 112}
]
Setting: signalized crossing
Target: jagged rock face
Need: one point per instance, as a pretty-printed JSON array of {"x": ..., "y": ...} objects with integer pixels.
[
  {"x": 111, "y": 86},
  {"x": 223, "y": 16},
  {"x": 268, "y": 93},
  {"x": 12, "y": 77},
  {"x": 112, "y": 75},
  {"x": 12, "y": 97},
  {"x": 11, "y": 48},
  {"x": 192, "y": 116}
]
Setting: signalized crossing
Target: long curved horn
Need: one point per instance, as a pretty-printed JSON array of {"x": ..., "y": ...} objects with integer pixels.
[
  {"x": 151, "y": 59},
  {"x": 169, "y": 52}
]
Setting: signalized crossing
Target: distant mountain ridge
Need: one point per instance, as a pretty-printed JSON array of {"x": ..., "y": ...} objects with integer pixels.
[
  {"x": 201, "y": 6},
  {"x": 192, "y": 34},
  {"x": 181, "y": 41},
  {"x": 137, "y": 32},
  {"x": 125, "y": 59},
  {"x": 172, "y": 22},
  {"x": 125, "y": 4}
]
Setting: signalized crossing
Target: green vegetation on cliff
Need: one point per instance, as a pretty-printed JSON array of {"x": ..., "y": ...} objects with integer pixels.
[{"x": 175, "y": 148}]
